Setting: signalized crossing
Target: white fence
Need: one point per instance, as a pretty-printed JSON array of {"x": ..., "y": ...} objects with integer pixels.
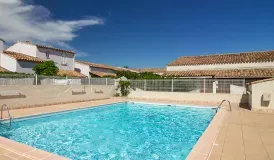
[
  {"x": 204, "y": 85},
  {"x": 10, "y": 79}
]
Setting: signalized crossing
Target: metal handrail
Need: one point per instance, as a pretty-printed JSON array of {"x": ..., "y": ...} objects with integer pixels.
[
  {"x": 8, "y": 110},
  {"x": 222, "y": 103}
]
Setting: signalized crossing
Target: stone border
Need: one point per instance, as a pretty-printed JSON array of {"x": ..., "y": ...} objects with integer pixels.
[{"x": 203, "y": 148}]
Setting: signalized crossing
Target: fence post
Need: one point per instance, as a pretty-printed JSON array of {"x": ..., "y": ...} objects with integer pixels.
[
  {"x": 171, "y": 85},
  {"x": 204, "y": 85},
  {"x": 106, "y": 81},
  {"x": 36, "y": 79},
  {"x": 145, "y": 85},
  {"x": 88, "y": 80}
]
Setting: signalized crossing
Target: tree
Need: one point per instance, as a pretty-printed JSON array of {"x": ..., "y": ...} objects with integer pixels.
[
  {"x": 124, "y": 87},
  {"x": 47, "y": 68},
  {"x": 125, "y": 66}
]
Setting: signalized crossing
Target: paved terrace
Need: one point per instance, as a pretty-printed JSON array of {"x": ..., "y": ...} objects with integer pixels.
[{"x": 237, "y": 135}]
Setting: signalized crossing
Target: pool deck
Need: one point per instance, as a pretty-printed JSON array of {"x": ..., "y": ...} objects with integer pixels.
[{"x": 238, "y": 135}]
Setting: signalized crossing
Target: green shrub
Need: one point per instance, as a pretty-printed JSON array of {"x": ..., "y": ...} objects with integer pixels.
[
  {"x": 47, "y": 68},
  {"x": 124, "y": 87}
]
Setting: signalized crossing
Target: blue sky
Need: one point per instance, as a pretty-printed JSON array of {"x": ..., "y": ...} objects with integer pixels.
[{"x": 151, "y": 33}]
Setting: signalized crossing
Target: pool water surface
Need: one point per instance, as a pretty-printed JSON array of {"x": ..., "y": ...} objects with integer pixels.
[{"x": 117, "y": 131}]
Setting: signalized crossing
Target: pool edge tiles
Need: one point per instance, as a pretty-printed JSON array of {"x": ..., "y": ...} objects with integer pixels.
[{"x": 204, "y": 146}]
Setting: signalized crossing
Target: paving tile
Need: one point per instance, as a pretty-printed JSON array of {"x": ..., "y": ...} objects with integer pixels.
[
  {"x": 270, "y": 150},
  {"x": 3, "y": 151},
  {"x": 4, "y": 157},
  {"x": 267, "y": 137},
  {"x": 233, "y": 152},
  {"x": 256, "y": 152},
  {"x": 196, "y": 156},
  {"x": 17, "y": 156},
  {"x": 216, "y": 153}
]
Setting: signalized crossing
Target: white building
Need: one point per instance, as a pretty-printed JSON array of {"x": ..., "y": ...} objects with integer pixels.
[
  {"x": 248, "y": 65},
  {"x": 21, "y": 57},
  {"x": 98, "y": 70}
]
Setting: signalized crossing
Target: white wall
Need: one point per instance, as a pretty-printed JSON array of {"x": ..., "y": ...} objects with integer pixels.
[
  {"x": 258, "y": 89},
  {"x": 83, "y": 68},
  {"x": 57, "y": 58},
  {"x": 8, "y": 63},
  {"x": 190, "y": 97},
  {"x": 1, "y": 49},
  {"x": 221, "y": 66},
  {"x": 24, "y": 48},
  {"x": 25, "y": 67}
]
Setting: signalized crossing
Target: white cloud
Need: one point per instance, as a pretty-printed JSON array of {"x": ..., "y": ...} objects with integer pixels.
[{"x": 21, "y": 21}]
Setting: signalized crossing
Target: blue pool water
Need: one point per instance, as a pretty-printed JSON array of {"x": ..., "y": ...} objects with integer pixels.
[{"x": 117, "y": 131}]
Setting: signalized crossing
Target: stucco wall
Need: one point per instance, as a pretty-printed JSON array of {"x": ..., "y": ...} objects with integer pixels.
[
  {"x": 221, "y": 66},
  {"x": 50, "y": 94},
  {"x": 82, "y": 68},
  {"x": 57, "y": 58},
  {"x": 8, "y": 63},
  {"x": 194, "y": 97},
  {"x": 25, "y": 67},
  {"x": 24, "y": 48},
  {"x": 258, "y": 89}
]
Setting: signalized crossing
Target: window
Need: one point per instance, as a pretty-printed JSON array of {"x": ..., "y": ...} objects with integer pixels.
[
  {"x": 64, "y": 59},
  {"x": 47, "y": 54}
]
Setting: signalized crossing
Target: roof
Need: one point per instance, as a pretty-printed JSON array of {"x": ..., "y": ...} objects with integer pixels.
[
  {"x": 154, "y": 70},
  {"x": 56, "y": 49},
  {"x": 246, "y": 57},
  {"x": 264, "y": 80},
  {"x": 70, "y": 73},
  {"x": 102, "y": 74},
  {"x": 235, "y": 73},
  {"x": 48, "y": 47},
  {"x": 23, "y": 57},
  {"x": 99, "y": 65},
  {"x": 3, "y": 69}
]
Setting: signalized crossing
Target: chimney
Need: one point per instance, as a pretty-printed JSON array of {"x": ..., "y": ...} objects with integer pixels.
[{"x": 1, "y": 45}]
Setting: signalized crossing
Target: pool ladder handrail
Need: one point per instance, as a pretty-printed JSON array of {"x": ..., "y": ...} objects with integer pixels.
[
  {"x": 222, "y": 103},
  {"x": 8, "y": 110}
]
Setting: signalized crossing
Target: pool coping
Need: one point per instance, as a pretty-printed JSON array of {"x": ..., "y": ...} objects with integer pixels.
[
  {"x": 204, "y": 146},
  {"x": 201, "y": 150}
]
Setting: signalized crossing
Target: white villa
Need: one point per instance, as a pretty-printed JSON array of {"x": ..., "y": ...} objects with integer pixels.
[{"x": 21, "y": 57}]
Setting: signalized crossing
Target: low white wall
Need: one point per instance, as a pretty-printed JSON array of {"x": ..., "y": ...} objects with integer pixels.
[
  {"x": 194, "y": 97},
  {"x": 53, "y": 94},
  {"x": 258, "y": 89}
]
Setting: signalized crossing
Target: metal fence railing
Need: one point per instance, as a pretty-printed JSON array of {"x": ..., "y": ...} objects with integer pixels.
[
  {"x": 203, "y": 85},
  {"x": 22, "y": 79}
]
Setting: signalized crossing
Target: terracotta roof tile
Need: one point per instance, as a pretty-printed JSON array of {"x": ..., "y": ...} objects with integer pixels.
[
  {"x": 70, "y": 73},
  {"x": 102, "y": 74},
  {"x": 99, "y": 65},
  {"x": 3, "y": 69},
  {"x": 23, "y": 57},
  {"x": 235, "y": 73},
  {"x": 154, "y": 70},
  {"x": 56, "y": 49},
  {"x": 248, "y": 57}
]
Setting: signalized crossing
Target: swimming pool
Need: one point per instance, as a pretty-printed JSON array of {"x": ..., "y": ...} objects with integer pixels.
[{"x": 117, "y": 131}]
